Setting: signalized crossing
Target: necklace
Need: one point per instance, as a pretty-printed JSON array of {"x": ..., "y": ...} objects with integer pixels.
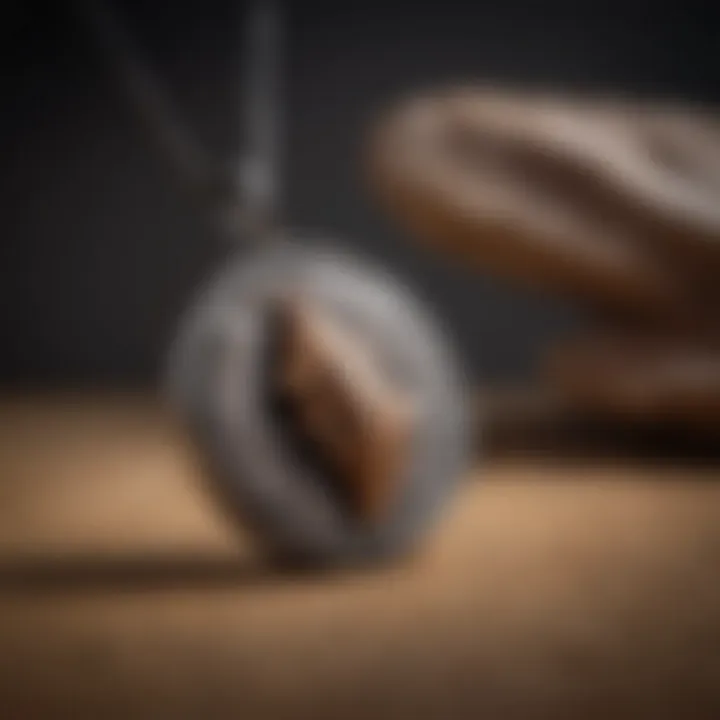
[{"x": 323, "y": 394}]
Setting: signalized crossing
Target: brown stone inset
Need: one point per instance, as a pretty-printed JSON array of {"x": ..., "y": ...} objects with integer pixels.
[{"x": 360, "y": 423}]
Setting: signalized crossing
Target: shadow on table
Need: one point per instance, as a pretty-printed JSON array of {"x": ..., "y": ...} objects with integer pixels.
[{"x": 46, "y": 575}]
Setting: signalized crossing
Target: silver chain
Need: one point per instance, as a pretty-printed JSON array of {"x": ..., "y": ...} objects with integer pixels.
[
  {"x": 259, "y": 168},
  {"x": 242, "y": 200}
]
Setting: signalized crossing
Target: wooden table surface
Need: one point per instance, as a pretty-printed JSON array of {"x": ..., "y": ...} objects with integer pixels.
[{"x": 550, "y": 589}]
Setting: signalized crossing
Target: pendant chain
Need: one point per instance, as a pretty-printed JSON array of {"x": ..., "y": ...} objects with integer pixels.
[{"x": 242, "y": 200}]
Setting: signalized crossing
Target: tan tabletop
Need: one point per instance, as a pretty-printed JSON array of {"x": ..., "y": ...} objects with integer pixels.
[{"x": 550, "y": 589}]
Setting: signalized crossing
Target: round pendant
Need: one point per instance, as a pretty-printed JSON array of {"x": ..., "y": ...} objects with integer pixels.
[{"x": 328, "y": 401}]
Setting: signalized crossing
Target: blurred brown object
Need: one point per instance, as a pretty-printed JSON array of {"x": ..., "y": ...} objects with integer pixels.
[
  {"x": 614, "y": 204},
  {"x": 642, "y": 379}
]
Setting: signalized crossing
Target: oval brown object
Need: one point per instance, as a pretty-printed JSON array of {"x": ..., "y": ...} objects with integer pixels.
[
  {"x": 611, "y": 203},
  {"x": 356, "y": 418}
]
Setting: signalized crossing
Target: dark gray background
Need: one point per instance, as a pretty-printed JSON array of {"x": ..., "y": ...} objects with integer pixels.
[{"x": 100, "y": 252}]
